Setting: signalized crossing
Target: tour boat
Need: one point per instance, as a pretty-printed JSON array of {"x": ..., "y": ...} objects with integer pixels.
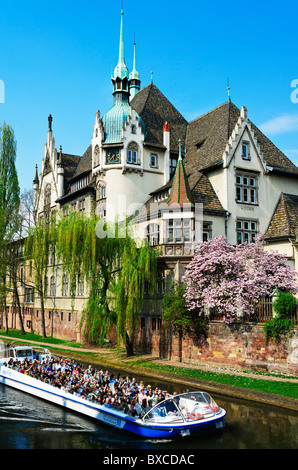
[{"x": 180, "y": 415}]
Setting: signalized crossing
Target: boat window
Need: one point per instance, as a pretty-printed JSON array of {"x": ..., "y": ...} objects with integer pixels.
[
  {"x": 197, "y": 405},
  {"x": 164, "y": 412},
  {"x": 24, "y": 353}
]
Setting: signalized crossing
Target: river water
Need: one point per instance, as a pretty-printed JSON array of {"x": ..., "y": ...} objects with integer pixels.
[{"x": 27, "y": 422}]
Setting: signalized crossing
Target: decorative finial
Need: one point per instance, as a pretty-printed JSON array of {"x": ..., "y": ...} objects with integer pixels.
[
  {"x": 134, "y": 53},
  {"x": 228, "y": 88},
  {"x": 50, "y": 120},
  {"x": 180, "y": 156}
]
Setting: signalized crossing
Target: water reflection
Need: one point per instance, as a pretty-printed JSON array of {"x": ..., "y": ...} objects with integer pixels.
[{"x": 30, "y": 423}]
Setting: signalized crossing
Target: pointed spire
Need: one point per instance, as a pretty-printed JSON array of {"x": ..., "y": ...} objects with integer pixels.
[
  {"x": 134, "y": 77},
  {"x": 36, "y": 179},
  {"x": 181, "y": 193},
  {"x": 121, "y": 44},
  {"x": 50, "y": 120},
  {"x": 121, "y": 70}
]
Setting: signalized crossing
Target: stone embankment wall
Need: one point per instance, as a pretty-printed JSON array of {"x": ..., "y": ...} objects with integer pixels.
[{"x": 241, "y": 346}]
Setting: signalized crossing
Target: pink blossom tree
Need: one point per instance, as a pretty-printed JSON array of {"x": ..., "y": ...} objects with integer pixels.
[{"x": 234, "y": 278}]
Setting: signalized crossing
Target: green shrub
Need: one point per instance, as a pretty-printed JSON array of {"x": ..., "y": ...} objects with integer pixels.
[
  {"x": 281, "y": 325},
  {"x": 285, "y": 304}
]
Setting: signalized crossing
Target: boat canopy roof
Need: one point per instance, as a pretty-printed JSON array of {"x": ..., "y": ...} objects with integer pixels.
[{"x": 186, "y": 407}]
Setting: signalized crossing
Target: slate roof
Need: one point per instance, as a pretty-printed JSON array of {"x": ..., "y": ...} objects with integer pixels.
[
  {"x": 70, "y": 163},
  {"x": 203, "y": 193},
  {"x": 210, "y": 133},
  {"x": 85, "y": 163},
  {"x": 154, "y": 109},
  {"x": 284, "y": 222},
  {"x": 207, "y": 137},
  {"x": 204, "y": 140}
]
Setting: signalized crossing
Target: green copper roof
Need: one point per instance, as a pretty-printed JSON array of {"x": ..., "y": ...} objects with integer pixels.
[{"x": 114, "y": 120}]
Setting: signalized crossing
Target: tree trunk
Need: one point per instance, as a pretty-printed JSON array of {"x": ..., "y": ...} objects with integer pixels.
[
  {"x": 128, "y": 345},
  {"x": 6, "y": 316},
  {"x": 4, "y": 301},
  {"x": 180, "y": 345},
  {"x": 15, "y": 289},
  {"x": 43, "y": 324}
]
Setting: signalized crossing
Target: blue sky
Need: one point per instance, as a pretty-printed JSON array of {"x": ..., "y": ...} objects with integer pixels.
[{"x": 57, "y": 57}]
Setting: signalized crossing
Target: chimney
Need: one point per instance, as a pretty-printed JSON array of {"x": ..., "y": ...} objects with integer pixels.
[
  {"x": 60, "y": 175},
  {"x": 166, "y": 142}
]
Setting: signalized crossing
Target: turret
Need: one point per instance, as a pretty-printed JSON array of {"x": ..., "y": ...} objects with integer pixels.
[{"x": 134, "y": 78}]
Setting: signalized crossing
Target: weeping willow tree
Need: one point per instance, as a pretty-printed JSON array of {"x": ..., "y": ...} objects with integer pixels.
[
  {"x": 9, "y": 208},
  {"x": 114, "y": 268},
  {"x": 39, "y": 245}
]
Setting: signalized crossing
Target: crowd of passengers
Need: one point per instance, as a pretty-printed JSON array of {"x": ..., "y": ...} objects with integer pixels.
[{"x": 104, "y": 388}]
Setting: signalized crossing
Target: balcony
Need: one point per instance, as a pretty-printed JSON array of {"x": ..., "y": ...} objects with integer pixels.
[{"x": 177, "y": 249}]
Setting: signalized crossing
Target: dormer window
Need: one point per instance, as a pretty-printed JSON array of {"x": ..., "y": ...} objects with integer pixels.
[
  {"x": 200, "y": 144},
  {"x": 245, "y": 151}
]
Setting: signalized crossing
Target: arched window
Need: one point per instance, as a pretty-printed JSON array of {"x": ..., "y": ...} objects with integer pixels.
[
  {"x": 47, "y": 195},
  {"x": 152, "y": 234},
  {"x": 96, "y": 156},
  {"x": 133, "y": 153},
  {"x": 47, "y": 202},
  {"x": 101, "y": 190}
]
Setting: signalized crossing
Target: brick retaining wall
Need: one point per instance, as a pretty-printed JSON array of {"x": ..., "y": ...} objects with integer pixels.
[{"x": 238, "y": 346}]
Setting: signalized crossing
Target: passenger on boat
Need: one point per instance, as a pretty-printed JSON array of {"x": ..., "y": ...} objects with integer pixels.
[{"x": 104, "y": 388}]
